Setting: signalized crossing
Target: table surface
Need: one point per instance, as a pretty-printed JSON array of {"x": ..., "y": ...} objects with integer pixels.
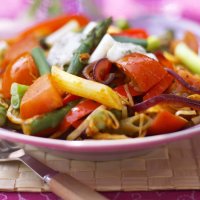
[{"x": 152, "y": 195}]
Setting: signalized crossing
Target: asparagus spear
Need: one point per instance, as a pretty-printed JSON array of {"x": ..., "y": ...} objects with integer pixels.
[
  {"x": 81, "y": 55},
  {"x": 17, "y": 92},
  {"x": 40, "y": 60},
  {"x": 40, "y": 123}
]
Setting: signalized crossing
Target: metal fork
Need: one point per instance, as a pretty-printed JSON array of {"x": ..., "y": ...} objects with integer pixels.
[{"x": 63, "y": 185}]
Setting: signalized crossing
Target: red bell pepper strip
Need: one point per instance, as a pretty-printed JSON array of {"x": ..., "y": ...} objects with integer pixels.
[
  {"x": 79, "y": 111},
  {"x": 133, "y": 33},
  {"x": 121, "y": 90},
  {"x": 69, "y": 98},
  {"x": 145, "y": 71},
  {"x": 164, "y": 83},
  {"x": 166, "y": 122},
  {"x": 48, "y": 26}
]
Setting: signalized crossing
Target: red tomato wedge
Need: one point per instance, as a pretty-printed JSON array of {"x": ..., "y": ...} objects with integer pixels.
[
  {"x": 15, "y": 50},
  {"x": 164, "y": 83},
  {"x": 22, "y": 70},
  {"x": 166, "y": 122},
  {"x": 41, "y": 97},
  {"x": 79, "y": 111},
  {"x": 145, "y": 71}
]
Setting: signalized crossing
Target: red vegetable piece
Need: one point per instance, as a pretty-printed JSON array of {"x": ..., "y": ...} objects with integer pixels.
[
  {"x": 166, "y": 122},
  {"x": 101, "y": 70},
  {"x": 145, "y": 71},
  {"x": 133, "y": 32},
  {"x": 79, "y": 111},
  {"x": 121, "y": 90},
  {"x": 69, "y": 98}
]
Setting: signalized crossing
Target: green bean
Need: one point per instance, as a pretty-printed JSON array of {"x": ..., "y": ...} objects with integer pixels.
[
  {"x": 17, "y": 92},
  {"x": 35, "y": 125},
  {"x": 125, "y": 39},
  {"x": 40, "y": 60}
]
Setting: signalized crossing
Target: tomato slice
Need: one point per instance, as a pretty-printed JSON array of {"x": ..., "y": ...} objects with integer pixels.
[{"x": 22, "y": 70}]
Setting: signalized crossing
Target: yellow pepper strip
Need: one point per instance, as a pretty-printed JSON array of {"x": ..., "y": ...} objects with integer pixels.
[{"x": 86, "y": 88}]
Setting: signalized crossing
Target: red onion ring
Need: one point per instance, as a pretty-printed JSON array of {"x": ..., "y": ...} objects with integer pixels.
[
  {"x": 168, "y": 99},
  {"x": 102, "y": 68},
  {"x": 182, "y": 81},
  {"x": 87, "y": 71}
]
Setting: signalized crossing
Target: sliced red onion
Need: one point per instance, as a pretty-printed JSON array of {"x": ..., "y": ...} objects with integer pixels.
[
  {"x": 87, "y": 71},
  {"x": 168, "y": 99},
  {"x": 182, "y": 81},
  {"x": 101, "y": 71}
]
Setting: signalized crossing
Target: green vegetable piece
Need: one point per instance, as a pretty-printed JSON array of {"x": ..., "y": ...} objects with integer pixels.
[
  {"x": 3, "y": 111},
  {"x": 79, "y": 61},
  {"x": 122, "y": 24},
  {"x": 17, "y": 92},
  {"x": 124, "y": 39},
  {"x": 40, "y": 123},
  {"x": 40, "y": 61},
  {"x": 188, "y": 57},
  {"x": 153, "y": 43}
]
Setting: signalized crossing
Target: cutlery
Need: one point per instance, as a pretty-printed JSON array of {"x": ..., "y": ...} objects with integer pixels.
[{"x": 63, "y": 185}]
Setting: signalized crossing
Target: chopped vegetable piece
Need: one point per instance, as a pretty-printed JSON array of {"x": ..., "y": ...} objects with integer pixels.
[
  {"x": 192, "y": 41},
  {"x": 40, "y": 60},
  {"x": 41, "y": 97},
  {"x": 125, "y": 39},
  {"x": 17, "y": 49},
  {"x": 188, "y": 57},
  {"x": 17, "y": 92},
  {"x": 22, "y": 70},
  {"x": 153, "y": 43},
  {"x": 69, "y": 98},
  {"x": 133, "y": 33},
  {"x": 145, "y": 71},
  {"x": 51, "y": 25},
  {"x": 35, "y": 125},
  {"x": 87, "y": 46},
  {"x": 79, "y": 111},
  {"x": 121, "y": 90},
  {"x": 3, "y": 111},
  {"x": 167, "y": 99},
  {"x": 166, "y": 122},
  {"x": 122, "y": 24},
  {"x": 101, "y": 71},
  {"x": 86, "y": 88},
  {"x": 164, "y": 83}
]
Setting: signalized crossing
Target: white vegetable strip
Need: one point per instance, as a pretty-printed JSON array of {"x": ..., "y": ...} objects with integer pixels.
[
  {"x": 72, "y": 25},
  {"x": 102, "y": 49},
  {"x": 86, "y": 88}
]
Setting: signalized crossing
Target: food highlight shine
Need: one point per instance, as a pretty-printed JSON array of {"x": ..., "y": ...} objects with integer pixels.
[{"x": 75, "y": 79}]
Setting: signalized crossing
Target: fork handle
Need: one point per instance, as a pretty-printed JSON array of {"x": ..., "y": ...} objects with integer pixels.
[{"x": 68, "y": 188}]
